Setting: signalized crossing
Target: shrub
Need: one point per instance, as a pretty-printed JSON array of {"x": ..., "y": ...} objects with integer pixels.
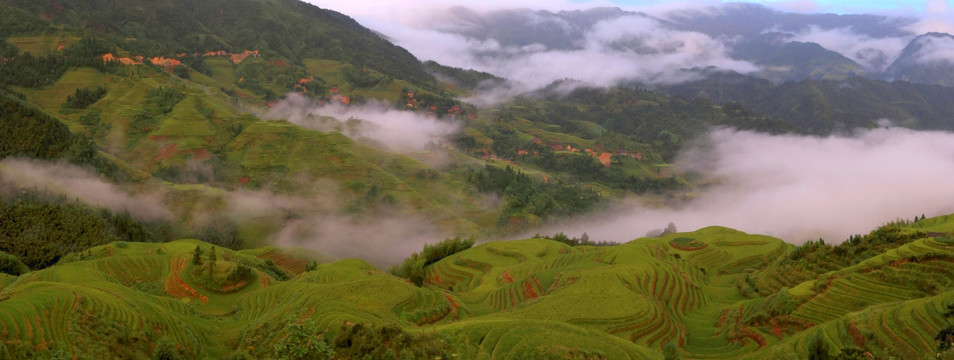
[
  {"x": 413, "y": 267},
  {"x": 302, "y": 341},
  {"x": 10, "y": 264},
  {"x": 84, "y": 97},
  {"x": 165, "y": 98},
  {"x": 365, "y": 341},
  {"x": 165, "y": 350}
]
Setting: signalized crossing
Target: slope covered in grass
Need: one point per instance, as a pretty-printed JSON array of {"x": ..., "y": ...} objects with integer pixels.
[{"x": 686, "y": 294}]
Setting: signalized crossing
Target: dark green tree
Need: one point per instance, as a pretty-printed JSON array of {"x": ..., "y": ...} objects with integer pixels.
[
  {"x": 413, "y": 267},
  {"x": 212, "y": 260},
  {"x": 10, "y": 264},
  {"x": 197, "y": 256},
  {"x": 165, "y": 350}
]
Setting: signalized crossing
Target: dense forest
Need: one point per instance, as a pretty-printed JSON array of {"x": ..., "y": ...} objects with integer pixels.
[{"x": 40, "y": 228}]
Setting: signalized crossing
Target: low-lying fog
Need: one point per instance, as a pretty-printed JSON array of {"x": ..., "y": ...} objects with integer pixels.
[{"x": 799, "y": 188}]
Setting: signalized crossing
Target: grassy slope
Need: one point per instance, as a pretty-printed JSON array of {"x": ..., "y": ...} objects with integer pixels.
[
  {"x": 498, "y": 299},
  {"x": 272, "y": 153}
]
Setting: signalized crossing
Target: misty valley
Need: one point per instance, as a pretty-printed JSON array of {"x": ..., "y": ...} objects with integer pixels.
[{"x": 376, "y": 179}]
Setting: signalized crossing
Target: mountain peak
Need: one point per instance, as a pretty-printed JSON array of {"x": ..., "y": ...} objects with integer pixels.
[{"x": 928, "y": 58}]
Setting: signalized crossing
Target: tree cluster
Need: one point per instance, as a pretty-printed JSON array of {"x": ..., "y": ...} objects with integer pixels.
[
  {"x": 523, "y": 196},
  {"x": 163, "y": 99},
  {"x": 26, "y": 131},
  {"x": 814, "y": 258},
  {"x": 41, "y": 228},
  {"x": 469, "y": 79},
  {"x": 84, "y": 97},
  {"x": 31, "y": 71},
  {"x": 583, "y": 240},
  {"x": 413, "y": 267}
]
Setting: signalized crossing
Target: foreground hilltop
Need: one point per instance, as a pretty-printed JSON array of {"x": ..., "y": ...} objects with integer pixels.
[{"x": 712, "y": 293}]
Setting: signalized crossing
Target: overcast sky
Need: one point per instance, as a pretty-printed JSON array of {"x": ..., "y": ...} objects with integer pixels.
[
  {"x": 823, "y": 6},
  {"x": 388, "y": 8}
]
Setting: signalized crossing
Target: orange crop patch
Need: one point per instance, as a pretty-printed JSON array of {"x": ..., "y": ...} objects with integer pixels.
[
  {"x": 166, "y": 152},
  {"x": 506, "y": 276},
  {"x": 528, "y": 291},
  {"x": 176, "y": 287},
  {"x": 285, "y": 261}
]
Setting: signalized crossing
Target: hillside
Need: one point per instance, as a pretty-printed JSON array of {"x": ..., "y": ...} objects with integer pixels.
[
  {"x": 287, "y": 29},
  {"x": 826, "y": 106},
  {"x": 177, "y": 114},
  {"x": 783, "y": 59},
  {"x": 684, "y": 294},
  {"x": 917, "y": 62},
  {"x": 197, "y": 126},
  {"x": 230, "y": 179}
]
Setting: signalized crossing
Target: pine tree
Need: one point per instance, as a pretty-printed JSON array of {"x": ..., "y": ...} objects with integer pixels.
[
  {"x": 197, "y": 256},
  {"x": 212, "y": 260}
]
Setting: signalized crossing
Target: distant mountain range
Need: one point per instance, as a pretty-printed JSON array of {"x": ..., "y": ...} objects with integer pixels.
[{"x": 779, "y": 43}]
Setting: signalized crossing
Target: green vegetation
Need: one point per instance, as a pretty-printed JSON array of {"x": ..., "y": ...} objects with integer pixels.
[
  {"x": 34, "y": 71},
  {"x": 288, "y": 29},
  {"x": 413, "y": 267},
  {"x": 468, "y": 79},
  {"x": 40, "y": 228},
  {"x": 84, "y": 97},
  {"x": 816, "y": 257},
  {"x": 85, "y": 282},
  {"x": 26, "y": 131},
  {"x": 826, "y": 106},
  {"x": 527, "y": 201},
  {"x": 681, "y": 295},
  {"x": 164, "y": 99},
  {"x": 272, "y": 79},
  {"x": 11, "y": 265}
]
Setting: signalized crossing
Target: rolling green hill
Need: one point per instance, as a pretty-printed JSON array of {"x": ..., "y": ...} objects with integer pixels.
[
  {"x": 681, "y": 295},
  {"x": 192, "y": 130},
  {"x": 149, "y": 126},
  {"x": 288, "y": 29}
]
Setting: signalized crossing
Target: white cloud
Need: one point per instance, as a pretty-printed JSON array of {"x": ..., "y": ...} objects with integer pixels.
[
  {"x": 75, "y": 182},
  {"x": 801, "y": 188},
  {"x": 383, "y": 240},
  {"x": 627, "y": 48},
  {"x": 379, "y": 123},
  {"x": 935, "y": 50},
  {"x": 429, "y": 30},
  {"x": 875, "y": 54}
]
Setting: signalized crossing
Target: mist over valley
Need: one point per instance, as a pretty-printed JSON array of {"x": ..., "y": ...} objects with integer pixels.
[{"x": 258, "y": 179}]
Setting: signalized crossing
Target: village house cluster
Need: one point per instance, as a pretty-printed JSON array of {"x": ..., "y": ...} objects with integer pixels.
[
  {"x": 170, "y": 64},
  {"x": 603, "y": 157}
]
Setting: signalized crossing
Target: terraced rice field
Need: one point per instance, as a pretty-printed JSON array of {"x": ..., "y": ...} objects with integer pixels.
[{"x": 505, "y": 299}]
